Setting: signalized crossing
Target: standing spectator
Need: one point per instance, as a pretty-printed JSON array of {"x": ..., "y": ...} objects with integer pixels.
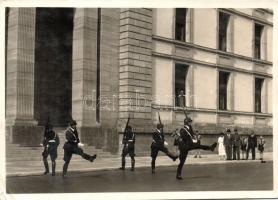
[
  {"x": 181, "y": 99},
  {"x": 228, "y": 143},
  {"x": 236, "y": 145},
  {"x": 244, "y": 142},
  {"x": 252, "y": 144},
  {"x": 261, "y": 145},
  {"x": 221, "y": 147},
  {"x": 198, "y": 137}
]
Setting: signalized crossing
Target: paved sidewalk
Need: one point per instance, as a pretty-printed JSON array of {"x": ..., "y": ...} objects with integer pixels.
[{"x": 19, "y": 168}]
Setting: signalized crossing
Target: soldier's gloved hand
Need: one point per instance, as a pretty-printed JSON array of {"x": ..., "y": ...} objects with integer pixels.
[
  {"x": 80, "y": 144},
  {"x": 165, "y": 143}
]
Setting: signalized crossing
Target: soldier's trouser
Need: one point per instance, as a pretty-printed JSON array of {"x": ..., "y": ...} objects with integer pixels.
[
  {"x": 68, "y": 155},
  {"x": 182, "y": 157},
  {"x": 236, "y": 153},
  {"x": 253, "y": 152},
  {"x": 52, "y": 151},
  {"x": 128, "y": 150},
  {"x": 154, "y": 151},
  {"x": 184, "y": 152}
]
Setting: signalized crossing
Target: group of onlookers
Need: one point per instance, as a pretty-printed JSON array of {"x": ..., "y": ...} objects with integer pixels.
[{"x": 230, "y": 145}]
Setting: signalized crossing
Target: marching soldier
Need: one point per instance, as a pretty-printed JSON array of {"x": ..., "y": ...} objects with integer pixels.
[
  {"x": 188, "y": 142},
  {"x": 159, "y": 144},
  {"x": 128, "y": 142},
  {"x": 50, "y": 143},
  {"x": 71, "y": 147}
]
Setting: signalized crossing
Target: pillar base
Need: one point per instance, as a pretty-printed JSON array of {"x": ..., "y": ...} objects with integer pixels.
[{"x": 24, "y": 135}]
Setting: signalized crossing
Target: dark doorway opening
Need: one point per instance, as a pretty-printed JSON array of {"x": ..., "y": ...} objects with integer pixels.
[{"x": 53, "y": 65}]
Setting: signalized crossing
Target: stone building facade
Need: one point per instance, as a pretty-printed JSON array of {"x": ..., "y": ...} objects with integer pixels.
[{"x": 101, "y": 66}]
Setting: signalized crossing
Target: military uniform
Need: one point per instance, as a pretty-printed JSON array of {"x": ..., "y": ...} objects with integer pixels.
[
  {"x": 71, "y": 147},
  {"x": 50, "y": 143},
  {"x": 158, "y": 144},
  {"x": 128, "y": 142},
  {"x": 188, "y": 142}
]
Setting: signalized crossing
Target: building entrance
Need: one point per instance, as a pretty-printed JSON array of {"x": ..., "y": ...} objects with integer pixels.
[{"x": 53, "y": 65}]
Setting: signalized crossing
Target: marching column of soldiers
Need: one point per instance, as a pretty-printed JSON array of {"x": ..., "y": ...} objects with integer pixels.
[{"x": 185, "y": 139}]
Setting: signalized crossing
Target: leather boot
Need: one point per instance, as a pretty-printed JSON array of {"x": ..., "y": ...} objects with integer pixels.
[
  {"x": 132, "y": 164},
  {"x": 45, "y": 166},
  {"x": 123, "y": 164},
  {"x": 65, "y": 169},
  {"x": 53, "y": 168},
  {"x": 153, "y": 166}
]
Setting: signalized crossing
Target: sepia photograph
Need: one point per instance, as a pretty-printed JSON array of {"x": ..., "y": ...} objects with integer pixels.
[{"x": 132, "y": 100}]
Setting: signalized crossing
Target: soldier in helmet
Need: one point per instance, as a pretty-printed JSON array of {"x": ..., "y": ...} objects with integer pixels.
[
  {"x": 50, "y": 143},
  {"x": 189, "y": 142},
  {"x": 128, "y": 142},
  {"x": 159, "y": 144},
  {"x": 71, "y": 147}
]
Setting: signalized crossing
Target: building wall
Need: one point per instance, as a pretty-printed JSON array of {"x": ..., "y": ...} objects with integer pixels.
[
  {"x": 205, "y": 34},
  {"x": 205, "y": 60}
]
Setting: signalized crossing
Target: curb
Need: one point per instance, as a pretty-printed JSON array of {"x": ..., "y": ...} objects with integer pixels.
[{"x": 86, "y": 170}]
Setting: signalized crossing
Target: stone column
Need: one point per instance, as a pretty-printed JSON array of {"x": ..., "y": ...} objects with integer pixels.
[
  {"x": 96, "y": 30},
  {"x": 84, "y": 66},
  {"x": 135, "y": 68},
  {"x": 20, "y": 76}
]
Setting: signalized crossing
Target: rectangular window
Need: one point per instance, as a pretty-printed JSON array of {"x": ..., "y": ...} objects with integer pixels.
[
  {"x": 180, "y": 81},
  {"x": 258, "y": 36},
  {"x": 258, "y": 94},
  {"x": 223, "y": 84},
  {"x": 222, "y": 31},
  {"x": 180, "y": 24}
]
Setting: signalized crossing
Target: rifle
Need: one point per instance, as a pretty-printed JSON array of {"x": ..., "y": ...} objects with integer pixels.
[
  {"x": 44, "y": 142},
  {"x": 159, "y": 119},
  {"x": 46, "y": 124},
  {"x": 123, "y": 141},
  {"x": 185, "y": 113},
  {"x": 127, "y": 123}
]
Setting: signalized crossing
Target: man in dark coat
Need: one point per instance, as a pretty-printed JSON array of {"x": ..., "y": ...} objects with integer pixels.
[
  {"x": 251, "y": 145},
  {"x": 188, "y": 142},
  {"x": 50, "y": 143},
  {"x": 236, "y": 145},
  {"x": 228, "y": 143},
  {"x": 128, "y": 142},
  {"x": 71, "y": 147},
  {"x": 159, "y": 144}
]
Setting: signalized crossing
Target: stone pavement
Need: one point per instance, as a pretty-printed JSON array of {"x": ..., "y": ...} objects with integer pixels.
[{"x": 20, "y": 168}]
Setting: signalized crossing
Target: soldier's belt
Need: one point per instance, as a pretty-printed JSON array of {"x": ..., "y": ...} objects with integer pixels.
[{"x": 51, "y": 141}]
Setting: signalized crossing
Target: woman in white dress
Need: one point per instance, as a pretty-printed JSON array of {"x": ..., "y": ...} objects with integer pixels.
[{"x": 221, "y": 147}]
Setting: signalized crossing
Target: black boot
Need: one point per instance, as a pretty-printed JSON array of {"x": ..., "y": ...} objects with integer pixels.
[
  {"x": 153, "y": 166},
  {"x": 65, "y": 169},
  {"x": 53, "y": 168},
  {"x": 179, "y": 177},
  {"x": 93, "y": 157},
  {"x": 212, "y": 147},
  {"x": 86, "y": 156},
  {"x": 132, "y": 164},
  {"x": 46, "y": 166},
  {"x": 123, "y": 164}
]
